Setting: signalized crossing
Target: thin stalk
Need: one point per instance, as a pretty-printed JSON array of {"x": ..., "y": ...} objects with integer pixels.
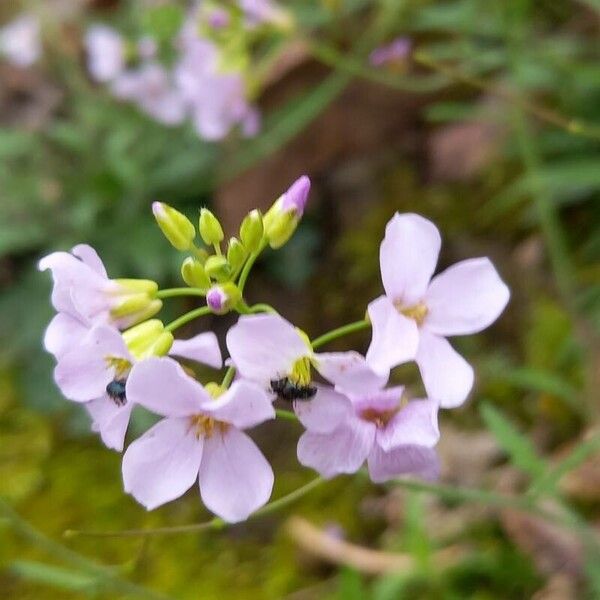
[
  {"x": 228, "y": 378},
  {"x": 190, "y": 316},
  {"x": 339, "y": 332},
  {"x": 174, "y": 292},
  {"x": 288, "y": 415}
]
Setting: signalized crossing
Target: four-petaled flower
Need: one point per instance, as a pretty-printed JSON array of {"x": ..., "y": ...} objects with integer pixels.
[{"x": 416, "y": 314}]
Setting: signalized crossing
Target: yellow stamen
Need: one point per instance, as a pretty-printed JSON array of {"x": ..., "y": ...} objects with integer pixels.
[
  {"x": 120, "y": 365},
  {"x": 300, "y": 374},
  {"x": 418, "y": 312},
  {"x": 205, "y": 426}
]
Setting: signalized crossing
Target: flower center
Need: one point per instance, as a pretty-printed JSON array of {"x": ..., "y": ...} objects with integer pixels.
[
  {"x": 380, "y": 417},
  {"x": 300, "y": 374},
  {"x": 205, "y": 426},
  {"x": 120, "y": 365},
  {"x": 417, "y": 312}
]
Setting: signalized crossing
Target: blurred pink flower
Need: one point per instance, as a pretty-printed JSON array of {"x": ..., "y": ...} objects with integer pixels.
[
  {"x": 396, "y": 50},
  {"x": 105, "y": 53},
  {"x": 200, "y": 438},
  {"x": 20, "y": 41}
]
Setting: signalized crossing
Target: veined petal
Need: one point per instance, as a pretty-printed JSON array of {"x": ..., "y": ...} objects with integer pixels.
[
  {"x": 349, "y": 372},
  {"x": 465, "y": 298},
  {"x": 395, "y": 337},
  {"x": 162, "y": 386},
  {"x": 63, "y": 333},
  {"x": 414, "y": 425},
  {"x": 325, "y": 412},
  {"x": 235, "y": 477},
  {"x": 245, "y": 404},
  {"x": 342, "y": 450},
  {"x": 447, "y": 376},
  {"x": 202, "y": 348},
  {"x": 162, "y": 464},
  {"x": 110, "y": 420},
  {"x": 408, "y": 256},
  {"x": 403, "y": 460},
  {"x": 265, "y": 347},
  {"x": 90, "y": 257}
]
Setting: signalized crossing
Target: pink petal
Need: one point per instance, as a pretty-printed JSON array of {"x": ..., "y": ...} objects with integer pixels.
[
  {"x": 162, "y": 386},
  {"x": 349, "y": 371},
  {"x": 235, "y": 477},
  {"x": 343, "y": 450},
  {"x": 325, "y": 412},
  {"x": 63, "y": 333},
  {"x": 408, "y": 256},
  {"x": 83, "y": 373},
  {"x": 265, "y": 347},
  {"x": 447, "y": 376},
  {"x": 203, "y": 348},
  {"x": 466, "y": 298},
  {"x": 93, "y": 301},
  {"x": 162, "y": 464},
  {"x": 110, "y": 420},
  {"x": 404, "y": 460},
  {"x": 387, "y": 399},
  {"x": 90, "y": 257},
  {"x": 395, "y": 337},
  {"x": 245, "y": 404},
  {"x": 414, "y": 425}
]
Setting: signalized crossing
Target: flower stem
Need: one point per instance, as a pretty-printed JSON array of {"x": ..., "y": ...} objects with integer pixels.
[
  {"x": 288, "y": 415},
  {"x": 173, "y": 292},
  {"x": 213, "y": 524},
  {"x": 339, "y": 332},
  {"x": 229, "y": 375},
  {"x": 190, "y": 316},
  {"x": 249, "y": 264}
]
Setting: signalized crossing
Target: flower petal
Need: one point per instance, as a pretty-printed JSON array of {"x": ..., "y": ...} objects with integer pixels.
[
  {"x": 90, "y": 257},
  {"x": 349, "y": 371},
  {"x": 343, "y": 450},
  {"x": 245, "y": 404},
  {"x": 408, "y": 256},
  {"x": 325, "y": 412},
  {"x": 404, "y": 460},
  {"x": 162, "y": 386},
  {"x": 415, "y": 424},
  {"x": 63, "y": 333},
  {"x": 162, "y": 464},
  {"x": 110, "y": 420},
  {"x": 265, "y": 347},
  {"x": 465, "y": 298},
  {"x": 235, "y": 477},
  {"x": 202, "y": 348},
  {"x": 83, "y": 373},
  {"x": 395, "y": 337},
  {"x": 447, "y": 376}
]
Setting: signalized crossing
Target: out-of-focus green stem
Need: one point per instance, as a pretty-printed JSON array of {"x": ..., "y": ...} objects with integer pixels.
[
  {"x": 173, "y": 292},
  {"x": 229, "y": 375},
  {"x": 190, "y": 316},
  {"x": 288, "y": 415},
  {"x": 339, "y": 332}
]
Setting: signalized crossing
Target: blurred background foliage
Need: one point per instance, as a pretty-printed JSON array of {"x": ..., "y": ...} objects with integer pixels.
[{"x": 490, "y": 126}]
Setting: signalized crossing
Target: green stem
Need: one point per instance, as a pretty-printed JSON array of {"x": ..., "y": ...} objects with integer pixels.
[
  {"x": 173, "y": 292},
  {"x": 228, "y": 378},
  {"x": 213, "y": 524},
  {"x": 339, "y": 332},
  {"x": 190, "y": 316},
  {"x": 262, "y": 308},
  {"x": 288, "y": 415},
  {"x": 249, "y": 264}
]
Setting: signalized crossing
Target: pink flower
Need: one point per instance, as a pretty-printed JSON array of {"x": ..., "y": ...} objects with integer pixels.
[
  {"x": 20, "y": 41},
  {"x": 96, "y": 370},
  {"x": 344, "y": 430},
  {"x": 258, "y": 12},
  {"x": 105, "y": 53},
  {"x": 396, "y": 50},
  {"x": 200, "y": 438},
  {"x": 296, "y": 197},
  {"x": 417, "y": 312},
  {"x": 267, "y": 348},
  {"x": 83, "y": 291}
]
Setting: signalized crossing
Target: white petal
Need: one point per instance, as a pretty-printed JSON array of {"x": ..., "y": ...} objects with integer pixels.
[
  {"x": 447, "y": 376},
  {"x": 324, "y": 412},
  {"x": 395, "y": 337},
  {"x": 203, "y": 348},
  {"x": 466, "y": 298},
  {"x": 404, "y": 460},
  {"x": 63, "y": 333},
  {"x": 110, "y": 420},
  {"x": 235, "y": 477},
  {"x": 90, "y": 257},
  {"x": 408, "y": 256},
  {"x": 162, "y": 464},
  {"x": 349, "y": 372}
]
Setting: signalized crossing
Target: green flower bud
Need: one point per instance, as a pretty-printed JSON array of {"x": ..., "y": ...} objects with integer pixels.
[
  {"x": 194, "y": 275},
  {"x": 223, "y": 297},
  {"x": 236, "y": 254},
  {"x": 252, "y": 230},
  {"x": 176, "y": 227},
  {"x": 148, "y": 339},
  {"x": 210, "y": 228},
  {"x": 134, "y": 301},
  {"x": 217, "y": 268}
]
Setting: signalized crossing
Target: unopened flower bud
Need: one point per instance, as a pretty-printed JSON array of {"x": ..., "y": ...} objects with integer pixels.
[
  {"x": 194, "y": 275},
  {"x": 236, "y": 254},
  {"x": 217, "y": 268},
  {"x": 252, "y": 230},
  {"x": 221, "y": 298},
  {"x": 148, "y": 339},
  {"x": 283, "y": 217},
  {"x": 210, "y": 228},
  {"x": 133, "y": 300},
  {"x": 176, "y": 227}
]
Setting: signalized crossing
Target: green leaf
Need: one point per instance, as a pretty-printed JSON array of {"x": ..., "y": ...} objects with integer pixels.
[
  {"x": 515, "y": 444},
  {"x": 52, "y": 576}
]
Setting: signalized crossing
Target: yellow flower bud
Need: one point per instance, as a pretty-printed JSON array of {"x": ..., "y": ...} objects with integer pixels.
[
  {"x": 252, "y": 230},
  {"x": 194, "y": 275},
  {"x": 176, "y": 227},
  {"x": 210, "y": 228}
]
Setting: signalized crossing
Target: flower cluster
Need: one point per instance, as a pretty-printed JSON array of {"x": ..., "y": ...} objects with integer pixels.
[
  {"x": 113, "y": 355},
  {"x": 20, "y": 42},
  {"x": 209, "y": 81}
]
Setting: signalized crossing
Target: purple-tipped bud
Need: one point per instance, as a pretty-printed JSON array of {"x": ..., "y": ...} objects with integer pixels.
[
  {"x": 221, "y": 298},
  {"x": 216, "y": 298},
  {"x": 296, "y": 197}
]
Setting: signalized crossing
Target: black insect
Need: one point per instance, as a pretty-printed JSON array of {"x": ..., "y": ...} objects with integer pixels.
[
  {"x": 116, "y": 391},
  {"x": 290, "y": 391}
]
